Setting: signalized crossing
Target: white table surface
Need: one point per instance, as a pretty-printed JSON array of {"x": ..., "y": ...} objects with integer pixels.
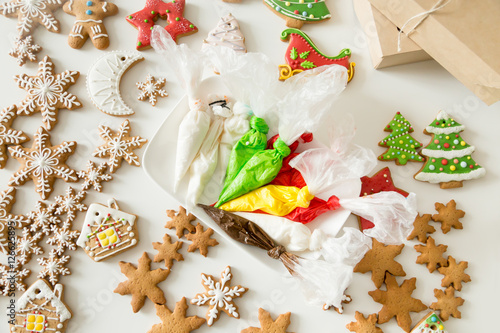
[{"x": 419, "y": 91}]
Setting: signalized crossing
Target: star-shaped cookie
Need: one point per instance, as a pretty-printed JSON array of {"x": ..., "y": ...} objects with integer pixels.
[
  {"x": 142, "y": 282},
  {"x": 421, "y": 228},
  {"x": 431, "y": 255},
  {"x": 379, "y": 260},
  {"x": 25, "y": 49},
  {"x": 7, "y": 200},
  {"x": 454, "y": 274},
  {"x": 176, "y": 321},
  {"x": 397, "y": 301},
  {"x": 94, "y": 176},
  {"x": 448, "y": 216},
  {"x": 364, "y": 325},
  {"x": 31, "y": 13},
  {"x": 8, "y": 135},
  {"x": 379, "y": 182},
  {"x": 47, "y": 92},
  {"x": 447, "y": 303},
  {"x": 151, "y": 89},
  {"x": 43, "y": 163},
  {"x": 167, "y": 251},
  {"x": 201, "y": 240},
  {"x": 180, "y": 221},
  {"x": 119, "y": 146},
  {"x": 268, "y": 325}
]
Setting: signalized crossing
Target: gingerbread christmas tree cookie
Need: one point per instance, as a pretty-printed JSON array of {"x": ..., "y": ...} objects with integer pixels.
[
  {"x": 173, "y": 11},
  {"x": 227, "y": 34},
  {"x": 89, "y": 22},
  {"x": 298, "y": 12},
  {"x": 268, "y": 325},
  {"x": 401, "y": 146},
  {"x": 176, "y": 322},
  {"x": 448, "y": 156}
]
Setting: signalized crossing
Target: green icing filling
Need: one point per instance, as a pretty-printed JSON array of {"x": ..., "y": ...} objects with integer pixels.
[
  {"x": 461, "y": 165},
  {"x": 318, "y": 9},
  {"x": 447, "y": 142},
  {"x": 287, "y": 32}
]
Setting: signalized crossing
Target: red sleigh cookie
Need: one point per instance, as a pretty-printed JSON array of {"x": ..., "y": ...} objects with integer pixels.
[
  {"x": 302, "y": 55},
  {"x": 144, "y": 20}
]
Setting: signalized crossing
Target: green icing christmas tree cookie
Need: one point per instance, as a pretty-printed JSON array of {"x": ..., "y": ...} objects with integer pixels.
[
  {"x": 401, "y": 146},
  {"x": 430, "y": 324},
  {"x": 298, "y": 12},
  {"x": 448, "y": 156}
]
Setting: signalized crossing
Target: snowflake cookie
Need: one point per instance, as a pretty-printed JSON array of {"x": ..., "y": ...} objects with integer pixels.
[
  {"x": 53, "y": 267},
  {"x": 63, "y": 238},
  {"x": 31, "y": 13},
  {"x": 12, "y": 278},
  {"x": 9, "y": 136},
  {"x": 70, "y": 204},
  {"x": 269, "y": 325},
  {"x": 25, "y": 49},
  {"x": 43, "y": 218},
  {"x": 151, "y": 89},
  {"x": 119, "y": 146},
  {"x": 43, "y": 163},
  {"x": 94, "y": 176},
  {"x": 47, "y": 92},
  {"x": 7, "y": 200},
  {"x": 176, "y": 321},
  {"x": 219, "y": 296},
  {"x": 27, "y": 245}
]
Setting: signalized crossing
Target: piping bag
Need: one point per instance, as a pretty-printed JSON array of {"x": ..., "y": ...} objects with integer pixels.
[
  {"x": 308, "y": 97},
  {"x": 188, "y": 66},
  {"x": 323, "y": 281}
]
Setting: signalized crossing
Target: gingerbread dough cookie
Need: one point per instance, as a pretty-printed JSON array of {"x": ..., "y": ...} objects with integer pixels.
[
  {"x": 379, "y": 260},
  {"x": 167, "y": 251},
  {"x": 151, "y": 89},
  {"x": 201, "y": 240},
  {"x": 421, "y": 228},
  {"x": 176, "y": 321},
  {"x": 142, "y": 282},
  {"x": 25, "y": 49},
  {"x": 7, "y": 200},
  {"x": 448, "y": 216},
  {"x": 180, "y": 221},
  {"x": 268, "y": 325},
  {"x": 89, "y": 16},
  {"x": 364, "y": 325},
  {"x": 431, "y": 255},
  {"x": 397, "y": 301},
  {"x": 454, "y": 274},
  {"x": 447, "y": 303}
]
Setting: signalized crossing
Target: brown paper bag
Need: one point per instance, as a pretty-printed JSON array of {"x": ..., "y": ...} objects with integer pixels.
[
  {"x": 464, "y": 37},
  {"x": 382, "y": 37}
]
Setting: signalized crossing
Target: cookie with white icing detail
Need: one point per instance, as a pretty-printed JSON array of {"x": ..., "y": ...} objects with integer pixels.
[
  {"x": 227, "y": 34},
  {"x": 431, "y": 323},
  {"x": 107, "y": 231},
  {"x": 41, "y": 309},
  {"x": 448, "y": 156},
  {"x": 89, "y": 22},
  {"x": 103, "y": 81}
]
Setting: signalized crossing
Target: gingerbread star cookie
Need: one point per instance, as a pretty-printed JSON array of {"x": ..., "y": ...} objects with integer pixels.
[
  {"x": 8, "y": 135},
  {"x": 454, "y": 274},
  {"x": 421, "y": 228},
  {"x": 180, "y": 221},
  {"x": 201, "y": 240},
  {"x": 397, "y": 301},
  {"x": 379, "y": 182},
  {"x": 379, "y": 260},
  {"x": 431, "y": 255},
  {"x": 119, "y": 146},
  {"x": 43, "y": 163},
  {"x": 364, "y": 325},
  {"x": 89, "y": 17},
  {"x": 219, "y": 296},
  {"x": 447, "y": 303},
  {"x": 268, "y": 325},
  {"x": 151, "y": 89},
  {"x": 25, "y": 49},
  {"x": 142, "y": 282},
  {"x": 176, "y": 321},
  {"x": 167, "y": 251},
  {"x": 31, "y": 13},
  {"x": 94, "y": 176},
  {"x": 7, "y": 200},
  {"x": 47, "y": 92},
  {"x": 448, "y": 216}
]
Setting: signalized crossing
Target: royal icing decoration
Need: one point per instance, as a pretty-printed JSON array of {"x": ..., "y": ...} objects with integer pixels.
[
  {"x": 302, "y": 54},
  {"x": 70, "y": 204},
  {"x": 119, "y": 146},
  {"x": 47, "y": 92},
  {"x": 27, "y": 245},
  {"x": 94, "y": 176},
  {"x": 40, "y": 309},
  {"x": 43, "y": 218},
  {"x": 53, "y": 267},
  {"x": 7, "y": 200},
  {"x": 401, "y": 146},
  {"x": 103, "y": 81},
  {"x": 25, "y": 49},
  {"x": 227, "y": 34},
  {"x": 9, "y": 136},
  {"x": 172, "y": 11},
  {"x": 298, "y": 12},
  {"x": 431, "y": 323},
  {"x": 43, "y": 163},
  {"x": 30, "y": 13},
  {"x": 219, "y": 296},
  {"x": 448, "y": 156},
  {"x": 107, "y": 231},
  {"x": 89, "y": 16},
  {"x": 151, "y": 89},
  {"x": 63, "y": 238},
  {"x": 12, "y": 276}
]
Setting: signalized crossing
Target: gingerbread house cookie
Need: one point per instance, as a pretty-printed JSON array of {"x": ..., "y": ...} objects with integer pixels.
[
  {"x": 41, "y": 309},
  {"x": 107, "y": 231}
]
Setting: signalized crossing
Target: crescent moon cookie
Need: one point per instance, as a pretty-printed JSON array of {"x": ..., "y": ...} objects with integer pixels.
[
  {"x": 32, "y": 13},
  {"x": 89, "y": 16},
  {"x": 103, "y": 81}
]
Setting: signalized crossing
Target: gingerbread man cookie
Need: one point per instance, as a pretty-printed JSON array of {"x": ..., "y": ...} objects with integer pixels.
[{"x": 89, "y": 17}]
